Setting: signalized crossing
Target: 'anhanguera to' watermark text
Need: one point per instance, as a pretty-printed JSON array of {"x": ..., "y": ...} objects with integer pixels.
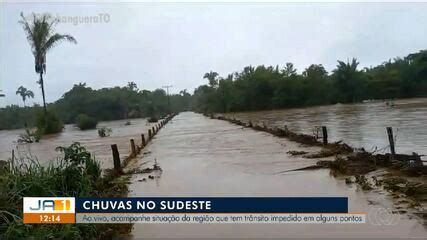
[{"x": 76, "y": 20}]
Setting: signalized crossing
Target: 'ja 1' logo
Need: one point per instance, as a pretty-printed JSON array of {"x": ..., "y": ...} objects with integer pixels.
[{"x": 53, "y": 205}]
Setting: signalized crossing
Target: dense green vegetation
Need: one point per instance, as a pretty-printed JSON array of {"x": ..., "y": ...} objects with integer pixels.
[
  {"x": 261, "y": 87},
  {"x": 103, "y": 104},
  {"x": 85, "y": 122},
  {"x": 48, "y": 123},
  {"x": 254, "y": 88},
  {"x": 77, "y": 174},
  {"x": 13, "y": 116},
  {"x": 117, "y": 103}
]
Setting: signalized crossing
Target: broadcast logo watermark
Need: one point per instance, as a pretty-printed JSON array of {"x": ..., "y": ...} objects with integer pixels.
[
  {"x": 76, "y": 20},
  {"x": 49, "y": 210}
]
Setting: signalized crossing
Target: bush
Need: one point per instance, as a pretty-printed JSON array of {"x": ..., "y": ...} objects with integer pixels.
[
  {"x": 48, "y": 123},
  {"x": 30, "y": 136},
  {"x": 153, "y": 119},
  {"x": 339, "y": 165},
  {"x": 77, "y": 174},
  {"x": 104, "y": 132},
  {"x": 85, "y": 122}
]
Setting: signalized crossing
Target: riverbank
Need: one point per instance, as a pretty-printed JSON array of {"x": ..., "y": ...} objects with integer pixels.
[
  {"x": 404, "y": 176},
  {"x": 75, "y": 174},
  {"x": 98, "y": 146},
  {"x": 207, "y": 157}
]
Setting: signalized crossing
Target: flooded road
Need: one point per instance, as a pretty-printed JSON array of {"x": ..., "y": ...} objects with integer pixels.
[
  {"x": 360, "y": 125},
  {"x": 45, "y": 152},
  {"x": 207, "y": 157}
]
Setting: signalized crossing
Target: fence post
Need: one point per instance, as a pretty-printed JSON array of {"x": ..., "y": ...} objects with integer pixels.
[
  {"x": 143, "y": 140},
  {"x": 132, "y": 146},
  {"x": 12, "y": 167},
  {"x": 116, "y": 158},
  {"x": 325, "y": 135},
  {"x": 391, "y": 140},
  {"x": 149, "y": 134}
]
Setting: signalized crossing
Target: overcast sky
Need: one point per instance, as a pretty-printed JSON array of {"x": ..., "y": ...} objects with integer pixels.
[{"x": 156, "y": 44}]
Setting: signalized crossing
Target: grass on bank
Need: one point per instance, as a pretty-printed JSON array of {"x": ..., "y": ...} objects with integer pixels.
[{"x": 77, "y": 174}]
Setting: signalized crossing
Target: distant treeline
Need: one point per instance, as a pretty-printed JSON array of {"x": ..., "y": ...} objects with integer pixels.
[
  {"x": 254, "y": 88},
  {"x": 103, "y": 104},
  {"x": 261, "y": 87}
]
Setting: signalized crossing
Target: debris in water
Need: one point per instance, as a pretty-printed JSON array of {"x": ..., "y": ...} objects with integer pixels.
[
  {"x": 348, "y": 180},
  {"x": 322, "y": 154},
  {"x": 296, "y": 153},
  {"x": 363, "y": 182},
  {"x": 156, "y": 166}
]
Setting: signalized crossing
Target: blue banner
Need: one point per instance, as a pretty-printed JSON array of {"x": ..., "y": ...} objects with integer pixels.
[{"x": 213, "y": 205}]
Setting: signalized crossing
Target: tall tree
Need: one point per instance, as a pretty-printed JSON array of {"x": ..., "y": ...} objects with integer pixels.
[
  {"x": 348, "y": 80},
  {"x": 315, "y": 72},
  {"x": 211, "y": 76},
  {"x": 289, "y": 70},
  {"x": 40, "y": 31},
  {"x": 24, "y": 92},
  {"x": 132, "y": 86}
]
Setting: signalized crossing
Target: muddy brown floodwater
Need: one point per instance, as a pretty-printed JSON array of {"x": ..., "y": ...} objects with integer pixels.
[
  {"x": 360, "y": 125},
  {"x": 207, "y": 157},
  {"x": 45, "y": 152}
]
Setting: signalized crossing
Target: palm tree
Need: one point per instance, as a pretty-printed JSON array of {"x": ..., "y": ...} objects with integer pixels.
[
  {"x": 348, "y": 79},
  {"x": 132, "y": 86},
  {"x": 40, "y": 31},
  {"x": 289, "y": 70},
  {"x": 211, "y": 76},
  {"x": 24, "y": 92}
]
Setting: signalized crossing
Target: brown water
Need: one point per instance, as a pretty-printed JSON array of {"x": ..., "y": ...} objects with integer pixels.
[
  {"x": 206, "y": 157},
  {"x": 360, "y": 125},
  {"x": 45, "y": 152}
]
